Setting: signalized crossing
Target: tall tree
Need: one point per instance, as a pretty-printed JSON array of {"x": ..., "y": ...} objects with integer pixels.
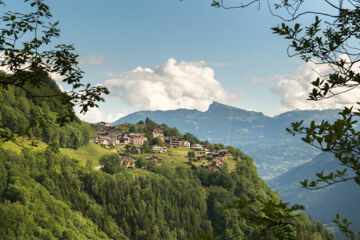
[{"x": 30, "y": 58}]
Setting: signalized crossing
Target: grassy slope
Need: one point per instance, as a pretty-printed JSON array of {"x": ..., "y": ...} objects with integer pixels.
[
  {"x": 91, "y": 151},
  {"x": 24, "y": 142},
  {"x": 175, "y": 157}
]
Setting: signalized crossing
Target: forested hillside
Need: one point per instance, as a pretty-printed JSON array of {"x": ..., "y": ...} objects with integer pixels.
[
  {"x": 18, "y": 113},
  {"x": 45, "y": 194}
]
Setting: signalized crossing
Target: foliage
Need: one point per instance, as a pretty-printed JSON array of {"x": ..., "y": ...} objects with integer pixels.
[
  {"x": 177, "y": 203},
  {"x": 16, "y": 109},
  {"x": 30, "y": 57},
  {"x": 111, "y": 163}
]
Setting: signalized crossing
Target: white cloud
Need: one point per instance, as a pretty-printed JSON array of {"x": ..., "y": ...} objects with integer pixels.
[
  {"x": 295, "y": 89},
  {"x": 94, "y": 115},
  {"x": 170, "y": 86}
]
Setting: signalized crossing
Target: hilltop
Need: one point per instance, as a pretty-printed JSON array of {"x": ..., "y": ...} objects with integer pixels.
[
  {"x": 147, "y": 140},
  {"x": 263, "y": 137}
]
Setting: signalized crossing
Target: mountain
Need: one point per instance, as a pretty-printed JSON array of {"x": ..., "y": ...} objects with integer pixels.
[
  {"x": 263, "y": 137},
  {"x": 322, "y": 204}
]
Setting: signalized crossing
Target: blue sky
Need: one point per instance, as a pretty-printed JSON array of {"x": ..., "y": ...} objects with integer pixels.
[{"x": 115, "y": 37}]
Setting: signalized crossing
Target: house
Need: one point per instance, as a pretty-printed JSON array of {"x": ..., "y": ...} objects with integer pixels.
[
  {"x": 157, "y": 160},
  {"x": 108, "y": 125},
  {"x": 217, "y": 163},
  {"x": 205, "y": 151},
  {"x": 173, "y": 141},
  {"x": 201, "y": 157},
  {"x": 136, "y": 139},
  {"x": 222, "y": 153},
  {"x": 128, "y": 161},
  {"x": 157, "y": 132},
  {"x": 124, "y": 139},
  {"x": 197, "y": 147},
  {"x": 186, "y": 144},
  {"x": 158, "y": 149},
  {"x": 135, "y": 150}
]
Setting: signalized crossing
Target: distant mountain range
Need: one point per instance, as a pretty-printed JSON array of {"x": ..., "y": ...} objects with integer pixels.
[
  {"x": 342, "y": 198},
  {"x": 262, "y": 137}
]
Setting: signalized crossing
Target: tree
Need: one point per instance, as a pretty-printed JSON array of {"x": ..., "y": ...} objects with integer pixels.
[
  {"x": 331, "y": 39},
  {"x": 111, "y": 163},
  {"x": 157, "y": 141},
  {"x": 31, "y": 59}
]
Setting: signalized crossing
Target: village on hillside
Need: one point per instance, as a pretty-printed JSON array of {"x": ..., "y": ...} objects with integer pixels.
[{"x": 128, "y": 144}]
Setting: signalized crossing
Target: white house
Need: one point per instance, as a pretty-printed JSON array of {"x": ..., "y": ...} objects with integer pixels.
[{"x": 186, "y": 144}]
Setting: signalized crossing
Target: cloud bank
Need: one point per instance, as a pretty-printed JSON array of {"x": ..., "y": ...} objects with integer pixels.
[
  {"x": 294, "y": 90},
  {"x": 173, "y": 85},
  {"x": 94, "y": 115}
]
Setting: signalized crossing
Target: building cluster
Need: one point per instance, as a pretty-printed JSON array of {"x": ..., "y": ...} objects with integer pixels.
[
  {"x": 217, "y": 159},
  {"x": 108, "y": 135}
]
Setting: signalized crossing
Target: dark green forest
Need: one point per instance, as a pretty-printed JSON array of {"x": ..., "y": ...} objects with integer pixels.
[
  {"x": 47, "y": 195},
  {"x": 19, "y": 112}
]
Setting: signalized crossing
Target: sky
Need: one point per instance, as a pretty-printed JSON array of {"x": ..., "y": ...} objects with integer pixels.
[{"x": 169, "y": 54}]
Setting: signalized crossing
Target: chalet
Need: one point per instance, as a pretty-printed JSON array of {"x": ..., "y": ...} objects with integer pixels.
[
  {"x": 157, "y": 160},
  {"x": 128, "y": 161},
  {"x": 173, "y": 142},
  {"x": 135, "y": 150},
  {"x": 186, "y": 144},
  {"x": 135, "y": 139},
  {"x": 197, "y": 147},
  {"x": 124, "y": 139},
  {"x": 138, "y": 140},
  {"x": 158, "y": 149},
  {"x": 157, "y": 132},
  {"x": 205, "y": 151},
  {"x": 108, "y": 125},
  {"x": 222, "y": 153},
  {"x": 217, "y": 163}
]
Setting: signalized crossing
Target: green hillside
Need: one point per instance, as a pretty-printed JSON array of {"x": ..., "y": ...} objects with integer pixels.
[
  {"x": 52, "y": 191},
  {"x": 90, "y": 152}
]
